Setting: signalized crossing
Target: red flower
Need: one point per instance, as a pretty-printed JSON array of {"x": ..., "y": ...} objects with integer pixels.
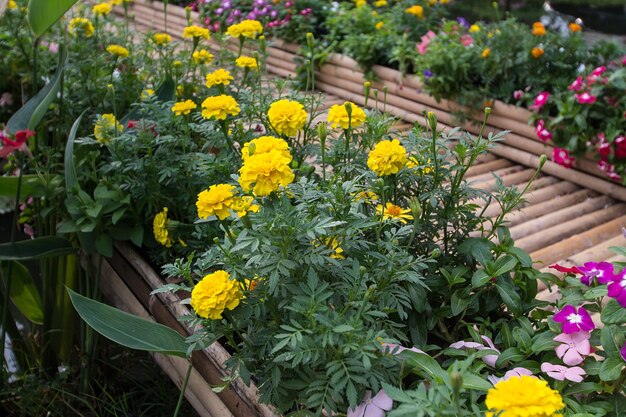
[
  {"x": 572, "y": 270},
  {"x": 562, "y": 157}
]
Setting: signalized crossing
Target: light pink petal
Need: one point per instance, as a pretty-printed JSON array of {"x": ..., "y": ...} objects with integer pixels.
[
  {"x": 468, "y": 345},
  {"x": 563, "y": 338},
  {"x": 494, "y": 379},
  {"x": 572, "y": 357},
  {"x": 561, "y": 350},
  {"x": 575, "y": 374},
  {"x": 357, "y": 412},
  {"x": 489, "y": 342},
  {"x": 373, "y": 411},
  {"x": 554, "y": 371},
  {"x": 490, "y": 360},
  {"x": 584, "y": 347},
  {"x": 580, "y": 337},
  {"x": 382, "y": 400}
]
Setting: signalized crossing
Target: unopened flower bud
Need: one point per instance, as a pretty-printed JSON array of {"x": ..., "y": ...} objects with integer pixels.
[
  {"x": 310, "y": 40},
  {"x": 457, "y": 381},
  {"x": 322, "y": 131},
  {"x": 487, "y": 111},
  {"x": 348, "y": 107},
  {"x": 415, "y": 207},
  {"x": 251, "y": 149},
  {"x": 432, "y": 120},
  {"x": 435, "y": 253},
  {"x": 542, "y": 160}
]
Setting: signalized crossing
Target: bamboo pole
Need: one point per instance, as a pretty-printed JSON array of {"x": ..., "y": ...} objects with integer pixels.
[{"x": 478, "y": 170}]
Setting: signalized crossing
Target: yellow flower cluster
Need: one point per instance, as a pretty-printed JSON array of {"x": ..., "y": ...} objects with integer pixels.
[
  {"x": 106, "y": 127},
  {"x": 244, "y": 205},
  {"x": 196, "y": 32},
  {"x": 202, "y": 56},
  {"x": 379, "y": 25},
  {"x": 539, "y": 29},
  {"x": 159, "y": 229},
  {"x": 102, "y": 9},
  {"x": 118, "y": 51},
  {"x": 393, "y": 212},
  {"x": 265, "y": 144},
  {"x": 523, "y": 396},
  {"x": 287, "y": 117},
  {"x": 216, "y": 201},
  {"x": 183, "y": 107},
  {"x": 161, "y": 38},
  {"x": 215, "y": 293},
  {"x": 80, "y": 25},
  {"x": 334, "y": 244},
  {"x": 219, "y": 107},
  {"x": 246, "y": 62},
  {"x": 265, "y": 172},
  {"x": 416, "y": 10},
  {"x": 246, "y": 28},
  {"x": 413, "y": 163},
  {"x": 338, "y": 116},
  {"x": 218, "y": 77},
  {"x": 387, "y": 157}
]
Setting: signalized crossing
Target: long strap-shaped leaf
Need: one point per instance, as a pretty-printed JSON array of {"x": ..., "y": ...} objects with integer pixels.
[
  {"x": 44, "y": 13},
  {"x": 41, "y": 247},
  {"x": 128, "y": 330}
]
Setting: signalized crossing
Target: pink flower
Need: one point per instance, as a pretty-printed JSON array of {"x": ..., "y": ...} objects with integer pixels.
[
  {"x": 617, "y": 288},
  {"x": 562, "y": 157},
  {"x": 6, "y": 99},
  {"x": 624, "y": 63},
  {"x": 602, "y": 271},
  {"x": 423, "y": 45},
  {"x": 29, "y": 230},
  {"x": 572, "y": 270},
  {"x": 396, "y": 349},
  {"x": 574, "y": 320},
  {"x": 488, "y": 359},
  {"x": 518, "y": 94},
  {"x": 543, "y": 134},
  {"x": 515, "y": 372},
  {"x": 541, "y": 99},
  {"x": 573, "y": 347},
  {"x": 17, "y": 143},
  {"x": 619, "y": 145},
  {"x": 372, "y": 407},
  {"x": 561, "y": 373},
  {"x": 577, "y": 84},
  {"x": 598, "y": 71},
  {"x": 467, "y": 40},
  {"x": 586, "y": 98}
]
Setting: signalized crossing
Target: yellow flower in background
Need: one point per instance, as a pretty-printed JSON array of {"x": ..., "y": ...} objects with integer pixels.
[
  {"x": 444, "y": 1},
  {"x": 381, "y": 3},
  {"x": 523, "y": 396},
  {"x": 244, "y": 205},
  {"x": 115, "y": 2},
  {"x": 387, "y": 157},
  {"x": 246, "y": 62},
  {"x": 196, "y": 32},
  {"x": 80, "y": 25},
  {"x": 183, "y": 107},
  {"x": 246, "y": 28},
  {"x": 538, "y": 29},
  {"x": 215, "y": 293},
  {"x": 118, "y": 50},
  {"x": 575, "y": 27},
  {"x": 265, "y": 144},
  {"x": 360, "y": 3},
  {"x": 219, "y": 107},
  {"x": 216, "y": 201},
  {"x": 11, "y": 4},
  {"x": 334, "y": 244},
  {"x": 486, "y": 52},
  {"x": 379, "y": 25},
  {"x": 393, "y": 212},
  {"x": 218, "y": 77},
  {"x": 106, "y": 128},
  {"x": 413, "y": 163},
  {"x": 161, "y": 38},
  {"x": 474, "y": 28},
  {"x": 265, "y": 173},
  {"x": 366, "y": 196},
  {"x": 159, "y": 229},
  {"x": 338, "y": 116},
  {"x": 202, "y": 56},
  {"x": 147, "y": 93},
  {"x": 287, "y": 117},
  {"x": 416, "y": 10},
  {"x": 102, "y": 9},
  {"x": 537, "y": 52},
  {"x": 177, "y": 64}
]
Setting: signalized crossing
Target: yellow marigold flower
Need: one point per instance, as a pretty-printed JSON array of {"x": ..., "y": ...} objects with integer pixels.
[
  {"x": 118, "y": 51},
  {"x": 523, "y": 396},
  {"x": 244, "y": 205},
  {"x": 387, "y": 157},
  {"x": 393, "y": 212},
  {"x": 366, "y": 196},
  {"x": 287, "y": 117},
  {"x": 416, "y": 11},
  {"x": 202, "y": 56},
  {"x": 444, "y": 1},
  {"x": 265, "y": 144},
  {"x": 381, "y": 3},
  {"x": 575, "y": 27},
  {"x": 219, "y": 107},
  {"x": 246, "y": 62},
  {"x": 334, "y": 244},
  {"x": 360, "y": 3},
  {"x": 106, "y": 127},
  {"x": 159, "y": 229},
  {"x": 115, "y": 2},
  {"x": 379, "y": 25},
  {"x": 246, "y": 28},
  {"x": 413, "y": 162},
  {"x": 177, "y": 64},
  {"x": 80, "y": 25},
  {"x": 539, "y": 29},
  {"x": 147, "y": 93},
  {"x": 102, "y": 9},
  {"x": 11, "y": 4},
  {"x": 216, "y": 201},
  {"x": 161, "y": 38},
  {"x": 537, "y": 52},
  {"x": 264, "y": 173},
  {"x": 183, "y": 107},
  {"x": 196, "y": 32},
  {"x": 217, "y": 77},
  {"x": 486, "y": 52},
  {"x": 474, "y": 29},
  {"x": 338, "y": 116},
  {"x": 215, "y": 293}
]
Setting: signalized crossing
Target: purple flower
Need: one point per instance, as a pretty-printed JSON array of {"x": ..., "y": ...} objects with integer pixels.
[
  {"x": 574, "y": 320},
  {"x": 573, "y": 347},
  {"x": 561, "y": 373},
  {"x": 617, "y": 288},
  {"x": 372, "y": 407},
  {"x": 515, "y": 372},
  {"x": 428, "y": 73},
  {"x": 602, "y": 271},
  {"x": 462, "y": 21}
]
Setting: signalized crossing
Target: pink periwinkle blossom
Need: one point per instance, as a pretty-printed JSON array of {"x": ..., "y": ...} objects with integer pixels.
[
  {"x": 372, "y": 407},
  {"x": 518, "y": 94},
  {"x": 488, "y": 359},
  {"x": 601, "y": 271},
  {"x": 562, "y": 157},
  {"x": 396, "y": 349},
  {"x": 617, "y": 288},
  {"x": 586, "y": 98},
  {"x": 577, "y": 84},
  {"x": 543, "y": 134},
  {"x": 467, "y": 40},
  {"x": 574, "y": 320},
  {"x": 515, "y": 372},
  {"x": 598, "y": 71},
  {"x": 573, "y": 348},
  {"x": 620, "y": 146},
  {"x": 423, "y": 45},
  {"x": 540, "y": 101},
  {"x": 624, "y": 60},
  {"x": 561, "y": 373}
]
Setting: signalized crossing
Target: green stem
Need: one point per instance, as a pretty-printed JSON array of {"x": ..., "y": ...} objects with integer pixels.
[{"x": 183, "y": 389}]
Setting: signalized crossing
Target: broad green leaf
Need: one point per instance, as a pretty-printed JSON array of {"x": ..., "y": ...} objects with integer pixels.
[
  {"x": 613, "y": 313},
  {"x": 459, "y": 302},
  {"x": 41, "y": 247},
  {"x": 480, "y": 278},
  {"x": 611, "y": 368},
  {"x": 612, "y": 339},
  {"x": 8, "y": 185},
  {"x": 504, "y": 265},
  {"x": 44, "y": 13},
  {"x": 31, "y": 113},
  {"x": 478, "y": 248},
  {"x": 543, "y": 342},
  {"x": 23, "y": 292},
  {"x": 473, "y": 381},
  {"x": 512, "y": 354},
  {"x": 510, "y": 297},
  {"x": 128, "y": 330},
  {"x": 425, "y": 363}
]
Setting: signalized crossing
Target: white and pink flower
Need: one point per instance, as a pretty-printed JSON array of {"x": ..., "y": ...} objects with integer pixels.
[
  {"x": 573, "y": 348},
  {"x": 562, "y": 157}
]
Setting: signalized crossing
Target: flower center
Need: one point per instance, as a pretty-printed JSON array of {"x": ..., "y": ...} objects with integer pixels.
[
  {"x": 575, "y": 318},
  {"x": 394, "y": 211}
]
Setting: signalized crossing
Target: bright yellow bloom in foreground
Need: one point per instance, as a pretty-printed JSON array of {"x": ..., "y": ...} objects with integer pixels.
[
  {"x": 265, "y": 173},
  {"x": 244, "y": 205},
  {"x": 246, "y": 28},
  {"x": 106, "y": 127},
  {"x": 81, "y": 25},
  {"x": 118, "y": 50},
  {"x": 102, "y": 9},
  {"x": 159, "y": 229},
  {"x": 334, "y": 244},
  {"x": 338, "y": 116},
  {"x": 215, "y": 293},
  {"x": 216, "y": 201},
  {"x": 393, "y": 212},
  {"x": 380, "y": 3},
  {"x": 287, "y": 117},
  {"x": 523, "y": 396},
  {"x": 218, "y": 77},
  {"x": 416, "y": 11},
  {"x": 183, "y": 107},
  {"x": 161, "y": 38},
  {"x": 202, "y": 56},
  {"x": 246, "y": 62},
  {"x": 196, "y": 32},
  {"x": 387, "y": 157},
  {"x": 219, "y": 107},
  {"x": 265, "y": 144}
]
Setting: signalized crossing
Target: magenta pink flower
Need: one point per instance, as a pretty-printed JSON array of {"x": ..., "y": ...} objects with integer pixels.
[
  {"x": 562, "y": 157},
  {"x": 543, "y": 134},
  {"x": 601, "y": 271},
  {"x": 574, "y": 320},
  {"x": 518, "y": 94},
  {"x": 541, "y": 99},
  {"x": 17, "y": 143},
  {"x": 617, "y": 288},
  {"x": 467, "y": 40},
  {"x": 423, "y": 45},
  {"x": 622, "y": 351},
  {"x": 561, "y": 373},
  {"x": 598, "y": 71},
  {"x": 573, "y": 348},
  {"x": 586, "y": 98},
  {"x": 372, "y": 407},
  {"x": 620, "y": 146},
  {"x": 577, "y": 84},
  {"x": 6, "y": 99},
  {"x": 519, "y": 371}
]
